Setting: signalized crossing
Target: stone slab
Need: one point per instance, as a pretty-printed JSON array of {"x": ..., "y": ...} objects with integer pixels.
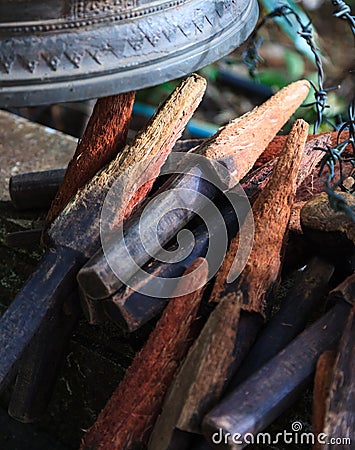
[{"x": 27, "y": 146}]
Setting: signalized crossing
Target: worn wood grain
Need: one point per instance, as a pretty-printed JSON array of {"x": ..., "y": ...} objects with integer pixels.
[
  {"x": 239, "y": 144},
  {"x": 144, "y": 155}
]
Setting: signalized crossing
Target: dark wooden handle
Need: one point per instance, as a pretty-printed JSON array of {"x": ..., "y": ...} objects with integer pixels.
[{"x": 52, "y": 282}]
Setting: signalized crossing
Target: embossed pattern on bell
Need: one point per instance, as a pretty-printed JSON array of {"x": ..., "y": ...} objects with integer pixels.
[{"x": 60, "y": 50}]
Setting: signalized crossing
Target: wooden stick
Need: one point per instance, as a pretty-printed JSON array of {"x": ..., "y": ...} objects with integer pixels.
[
  {"x": 195, "y": 368},
  {"x": 311, "y": 285},
  {"x": 264, "y": 396},
  {"x": 339, "y": 422},
  {"x": 145, "y": 155},
  {"x": 104, "y": 137},
  {"x": 277, "y": 144},
  {"x": 255, "y": 183},
  {"x": 271, "y": 212},
  {"x": 210, "y": 361},
  {"x": 321, "y": 388},
  {"x": 241, "y": 142},
  {"x": 126, "y": 420}
]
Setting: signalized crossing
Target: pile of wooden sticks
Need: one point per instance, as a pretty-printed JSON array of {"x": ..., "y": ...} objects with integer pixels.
[{"x": 235, "y": 370}]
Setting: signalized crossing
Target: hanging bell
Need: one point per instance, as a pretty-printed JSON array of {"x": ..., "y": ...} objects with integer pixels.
[{"x": 64, "y": 50}]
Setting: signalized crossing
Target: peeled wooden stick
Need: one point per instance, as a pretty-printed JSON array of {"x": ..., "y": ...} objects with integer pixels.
[
  {"x": 104, "y": 137},
  {"x": 240, "y": 143},
  {"x": 143, "y": 156},
  {"x": 210, "y": 361},
  {"x": 322, "y": 382},
  {"x": 126, "y": 420}
]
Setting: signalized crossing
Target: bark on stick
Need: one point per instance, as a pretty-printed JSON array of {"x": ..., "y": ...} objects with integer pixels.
[
  {"x": 104, "y": 137},
  {"x": 322, "y": 380},
  {"x": 271, "y": 213},
  {"x": 129, "y": 415}
]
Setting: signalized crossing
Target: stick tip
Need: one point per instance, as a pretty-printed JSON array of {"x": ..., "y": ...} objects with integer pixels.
[
  {"x": 302, "y": 87},
  {"x": 301, "y": 124},
  {"x": 198, "y": 79}
]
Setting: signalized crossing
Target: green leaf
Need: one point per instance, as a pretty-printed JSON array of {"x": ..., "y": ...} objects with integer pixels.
[
  {"x": 273, "y": 78},
  {"x": 209, "y": 72},
  {"x": 294, "y": 65}
]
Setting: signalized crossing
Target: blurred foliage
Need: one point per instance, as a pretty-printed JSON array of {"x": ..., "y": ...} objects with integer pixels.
[{"x": 295, "y": 62}]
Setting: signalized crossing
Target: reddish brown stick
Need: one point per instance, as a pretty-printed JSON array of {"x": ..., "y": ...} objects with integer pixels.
[
  {"x": 321, "y": 388},
  {"x": 127, "y": 418},
  {"x": 277, "y": 144},
  {"x": 257, "y": 179},
  {"x": 271, "y": 213},
  {"x": 104, "y": 137}
]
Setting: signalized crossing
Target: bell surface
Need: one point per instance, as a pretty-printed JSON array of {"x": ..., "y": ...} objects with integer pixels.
[{"x": 64, "y": 50}]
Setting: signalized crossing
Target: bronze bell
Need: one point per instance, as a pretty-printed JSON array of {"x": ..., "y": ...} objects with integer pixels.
[{"x": 63, "y": 50}]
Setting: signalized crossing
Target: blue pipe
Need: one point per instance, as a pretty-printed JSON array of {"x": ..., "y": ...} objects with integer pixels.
[{"x": 196, "y": 128}]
